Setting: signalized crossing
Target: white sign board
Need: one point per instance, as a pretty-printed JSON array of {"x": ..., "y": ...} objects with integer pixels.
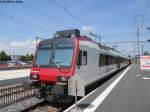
[{"x": 145, "y": 62}]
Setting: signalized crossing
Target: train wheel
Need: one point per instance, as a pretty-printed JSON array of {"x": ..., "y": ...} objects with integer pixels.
[
  {"x": 43, "y": 92},
  {"x": 37, "y": 94}
]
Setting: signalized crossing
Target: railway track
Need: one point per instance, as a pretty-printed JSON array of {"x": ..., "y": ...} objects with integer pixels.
[
  {"x": 12, "y": 89},
  {"x": 15, "y": 93},
  {"x": 19, "y": 97},
  {"x": 47, "y": 106}
]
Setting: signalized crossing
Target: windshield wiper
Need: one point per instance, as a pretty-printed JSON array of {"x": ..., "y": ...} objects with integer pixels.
[{"x": 58, "y": 66}]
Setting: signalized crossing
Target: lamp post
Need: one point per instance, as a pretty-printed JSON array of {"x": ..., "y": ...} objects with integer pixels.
[
  {"x": 142, "y": 46},
  {"x": 148, "y": 28}
]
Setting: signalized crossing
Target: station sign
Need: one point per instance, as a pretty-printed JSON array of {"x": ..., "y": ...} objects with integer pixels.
[{"x": 145, "y": 62}]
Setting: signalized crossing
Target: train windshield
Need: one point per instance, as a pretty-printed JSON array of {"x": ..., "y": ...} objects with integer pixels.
[
  {"x": 63, "y": 54},
  {"x": 44, "y": 54}
]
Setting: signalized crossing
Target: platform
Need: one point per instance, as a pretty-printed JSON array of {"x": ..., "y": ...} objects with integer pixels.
[
  {"x": 128, "y": 91},
  {"x": 8, "y": 77}
]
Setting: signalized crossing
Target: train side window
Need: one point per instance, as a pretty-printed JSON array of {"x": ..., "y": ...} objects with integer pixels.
[
  {"x": 84, "y": 61},
  {"x": 79, "y": 60},
  {"x": 99, "y": 60},
  {"x": 105, "y": 57},
  {"x": 102, "y": 59}
]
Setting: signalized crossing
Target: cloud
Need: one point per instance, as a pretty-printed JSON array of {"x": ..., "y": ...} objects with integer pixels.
[
  {"x": 88, "y": 29},
  {"x": 23, "y": 44},
  {"x": 19, "y": 47}
]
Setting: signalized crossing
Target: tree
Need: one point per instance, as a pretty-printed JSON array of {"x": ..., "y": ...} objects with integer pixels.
[
  {"x": 27, "y": 57},
  {"x": 9, "y": 58},
  {"x": 22, "y": 58},
  {"x": 146, "y": 53},
  {"x": 4, "y": 56}
]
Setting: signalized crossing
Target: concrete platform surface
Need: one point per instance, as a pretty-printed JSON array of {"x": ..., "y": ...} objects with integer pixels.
[{"x": 130, "y": 94}]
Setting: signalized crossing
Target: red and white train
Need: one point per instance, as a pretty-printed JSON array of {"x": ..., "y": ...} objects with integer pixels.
[{"x": 69, "y": 62}]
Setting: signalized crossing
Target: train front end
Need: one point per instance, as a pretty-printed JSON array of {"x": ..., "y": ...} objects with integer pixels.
[{"x": 54, "y": 63}]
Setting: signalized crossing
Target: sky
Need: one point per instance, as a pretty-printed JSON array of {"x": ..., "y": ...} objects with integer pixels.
[{"x": 113, "y": 20}]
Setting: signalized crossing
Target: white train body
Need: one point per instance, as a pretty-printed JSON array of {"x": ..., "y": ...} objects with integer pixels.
[{"x": 92, "y": 68}]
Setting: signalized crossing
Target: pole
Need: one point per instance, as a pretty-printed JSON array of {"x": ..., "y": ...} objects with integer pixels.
[
  {"x": 134, "y": 48},
  {"x": 138, "y": 45},
  {"x": 76, "y": 99},
  {"x": 142, "y": 46},
  {"x": 36, "y": 42},
  {"x": 13, "y": 57},
  {"x": 138, "y": 26}
]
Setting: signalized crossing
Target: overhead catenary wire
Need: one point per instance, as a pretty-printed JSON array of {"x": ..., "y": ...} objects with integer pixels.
[
  {"x": 69, "y": 12},
  {"x": 137, "y": 22},
  {"x": 87, "y": 8},
  {"x": 91, "y": 33},
  {"x": 24, "y": 22},
  {"x": 35, "y": 9},
  {"x": 39, "y": 11},
  {"x": 76, "y": 17},
  {"x": 60, "y": 6},
  {"x": 143, "y": 11}
]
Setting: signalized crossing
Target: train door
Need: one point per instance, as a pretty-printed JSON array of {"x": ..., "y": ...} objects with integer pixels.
[
  {"x": 87, "y": 63},
  {"x": 82, "y": 62}
]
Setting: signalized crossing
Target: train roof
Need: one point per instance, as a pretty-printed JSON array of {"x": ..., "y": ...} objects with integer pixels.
[
  {"x": 104, "y": 49},
  {"x": 68, "y": 35}
]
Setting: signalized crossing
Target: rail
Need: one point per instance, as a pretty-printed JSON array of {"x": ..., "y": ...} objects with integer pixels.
[{"x": 15, "y": 93}]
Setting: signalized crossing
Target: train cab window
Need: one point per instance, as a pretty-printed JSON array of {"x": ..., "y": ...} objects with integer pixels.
[
  {"x": 79, "y": 60},
  {"x": 63, "y": 54},
  {"x": 84, "y": 61},
  {"x": 43, "y": 54}
]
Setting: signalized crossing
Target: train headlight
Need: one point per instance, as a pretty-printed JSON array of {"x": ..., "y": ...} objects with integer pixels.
[
  {"x": 62, "y": 79},
  {"x": 34, "y": 76}
]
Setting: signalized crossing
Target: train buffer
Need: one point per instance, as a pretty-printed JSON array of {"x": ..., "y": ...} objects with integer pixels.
[{"x": 127, "y": 91}]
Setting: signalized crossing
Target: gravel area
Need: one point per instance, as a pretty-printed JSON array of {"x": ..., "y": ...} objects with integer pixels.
[{"x": 45, "y": 108}]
